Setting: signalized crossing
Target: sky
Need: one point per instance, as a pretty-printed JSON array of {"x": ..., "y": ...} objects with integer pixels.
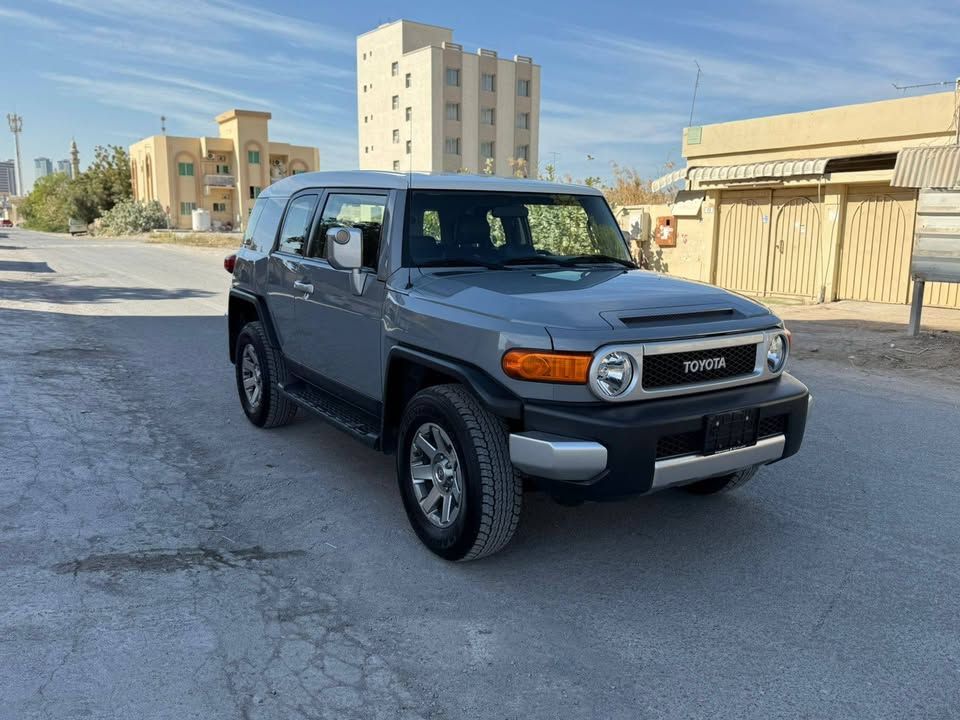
[{"x": 617, "y": 77}]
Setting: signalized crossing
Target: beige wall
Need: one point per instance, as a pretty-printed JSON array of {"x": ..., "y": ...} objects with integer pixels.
[
  {"x": 155, "y": 168},
  {"x": 693, "y": 255},
  {"x": 425, "y": 52}
]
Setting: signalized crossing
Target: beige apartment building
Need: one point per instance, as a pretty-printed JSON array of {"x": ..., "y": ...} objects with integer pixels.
[
  {"x": 223, "y": 174},
  {"x": 814, "y": 206},
  {"x": 426, "y": 105}
]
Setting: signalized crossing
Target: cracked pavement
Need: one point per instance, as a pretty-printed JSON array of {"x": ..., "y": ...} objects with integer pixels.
[{"x": 162, "y": 558}]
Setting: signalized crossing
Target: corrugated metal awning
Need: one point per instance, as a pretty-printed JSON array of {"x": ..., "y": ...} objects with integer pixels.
[
  {"x": 687, "y": 204},
  {"x": 928, "y": 167},
  {"x": 668, "y": 179},
  {"x": 775, "y": 169}
]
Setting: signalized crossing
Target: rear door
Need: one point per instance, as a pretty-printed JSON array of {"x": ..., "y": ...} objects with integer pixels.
[
  {"x": 340, "y": 328},
  {"x": 285, "y": 275}
]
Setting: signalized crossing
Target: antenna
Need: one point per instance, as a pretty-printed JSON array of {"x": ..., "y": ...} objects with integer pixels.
[
  {"x": 163, "y": 124},
  {"x": 696, "y": 86}
]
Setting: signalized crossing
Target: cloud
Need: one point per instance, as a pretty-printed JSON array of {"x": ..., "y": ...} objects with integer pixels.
[{"x": 31, "y": 20}]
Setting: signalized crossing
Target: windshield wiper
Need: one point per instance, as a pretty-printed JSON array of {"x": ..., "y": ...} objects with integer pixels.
[
  {"x": 582, "y": 259},
  {"x": 534, "y": 260},
  {"x": 461, "y": 262}
]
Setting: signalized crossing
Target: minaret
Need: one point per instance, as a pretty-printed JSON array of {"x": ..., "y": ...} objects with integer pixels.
[{"x": 74, "y": 160}]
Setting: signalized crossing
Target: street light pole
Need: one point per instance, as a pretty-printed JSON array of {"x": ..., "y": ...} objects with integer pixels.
[{"x": 16, "y": 127}]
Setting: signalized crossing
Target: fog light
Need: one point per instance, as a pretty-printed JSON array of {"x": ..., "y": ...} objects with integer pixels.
[
  {"x": 777, "y": 353},
  {"x": 614, "y": 373}
]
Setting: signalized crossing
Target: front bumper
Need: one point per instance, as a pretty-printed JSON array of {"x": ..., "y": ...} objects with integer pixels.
[{"x": 603, "y": 449}]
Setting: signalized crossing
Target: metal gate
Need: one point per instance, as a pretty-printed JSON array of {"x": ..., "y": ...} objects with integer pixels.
[
  {"x": 742, "y": 241},
  {"x": 877, "y": 239},
  {"x": 760, "y": 257}
]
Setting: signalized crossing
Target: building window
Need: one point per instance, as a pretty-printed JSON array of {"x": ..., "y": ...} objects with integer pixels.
[
  {"x": 523, "y": 121},
  {"x": 453, "y": 111},
  {"x": 396, "y": 136},
  {"x": 366, "y": 148},
  {"x": 523, "y": 152},
  {"x": 364, "y": 88},
  {"x": 297, "y": 171},
  {"x": 395, "y": 102},
  {"x": 409, "y": 114},
  {"x": 452, "y": 146},
  {"x": 364, "y": 56},
  {"x": 453, "y": 77},
  {"x": 487, "y": 116},
  {"x": 396, "y": 165},
  {"x": 185, "y": 169},
  {"x": 395, "y": 69},
  {"x": 219, "y": 207},
  {"x": 486, "y": 150},
  {"x": 187, "y": 207},
  {"x": 255, "y": 191},
  {"x": 409, "y": 147},
  {"x": 523, "y": 88},
  {"x": 364, "y": 118},
  {"x": 253, "y": 157},
  {"x": 406, "y": 80},
  {"x": 488, "y": 82},
  {"x": 223, "y": 169}
]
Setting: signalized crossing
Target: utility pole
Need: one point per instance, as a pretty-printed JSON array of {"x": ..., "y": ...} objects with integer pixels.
[
  {"x": 956, "y": 116},
  {"x": 16, "y": 127}
]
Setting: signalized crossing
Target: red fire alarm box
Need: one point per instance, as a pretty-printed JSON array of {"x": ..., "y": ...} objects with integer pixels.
[{"x": 666, "y": 233}]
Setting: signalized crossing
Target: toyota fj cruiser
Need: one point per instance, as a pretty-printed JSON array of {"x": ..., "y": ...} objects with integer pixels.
[{"x": 493, "y": 333}]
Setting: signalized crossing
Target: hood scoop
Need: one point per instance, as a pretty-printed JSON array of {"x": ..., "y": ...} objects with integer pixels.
[{"x": 669, "y": 316}]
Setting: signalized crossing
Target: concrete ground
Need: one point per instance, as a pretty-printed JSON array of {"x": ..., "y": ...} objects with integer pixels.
[{"x": 162, "y": 558}]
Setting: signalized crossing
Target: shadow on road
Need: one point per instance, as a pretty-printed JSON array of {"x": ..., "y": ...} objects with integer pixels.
[
  {"x": 51, "y": 292},
  {"x": 25, "y": 267}
]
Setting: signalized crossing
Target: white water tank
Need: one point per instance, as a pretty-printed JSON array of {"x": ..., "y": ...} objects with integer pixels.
[{"x": 201, "y": 220}]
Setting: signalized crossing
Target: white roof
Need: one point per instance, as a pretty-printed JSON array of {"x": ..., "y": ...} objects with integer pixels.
[{"x": 376, "y": 179}]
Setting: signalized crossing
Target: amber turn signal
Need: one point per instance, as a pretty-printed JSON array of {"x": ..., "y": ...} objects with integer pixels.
[{"x": 540, "y": 366}]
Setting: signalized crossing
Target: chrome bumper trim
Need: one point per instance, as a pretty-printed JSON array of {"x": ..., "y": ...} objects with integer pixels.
[
  {"x": 680, "y": 470},
  {"x": 555, "y": 457}
]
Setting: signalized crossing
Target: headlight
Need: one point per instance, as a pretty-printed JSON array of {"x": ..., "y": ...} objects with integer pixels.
[
  {"x": 614, "y": 373},
  {"x": 777, "y": 353}
]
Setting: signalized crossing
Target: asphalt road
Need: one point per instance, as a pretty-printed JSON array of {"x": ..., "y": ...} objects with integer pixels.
[{"x": 162, "y": 558}]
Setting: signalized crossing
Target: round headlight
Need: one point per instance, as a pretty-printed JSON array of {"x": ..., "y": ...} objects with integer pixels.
[
  {"x": 614, "y": 373},
  {"x": 777, "y": 353}
]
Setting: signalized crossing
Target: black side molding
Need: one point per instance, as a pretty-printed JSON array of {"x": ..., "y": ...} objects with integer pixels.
[{"x": 237, "y": 318}]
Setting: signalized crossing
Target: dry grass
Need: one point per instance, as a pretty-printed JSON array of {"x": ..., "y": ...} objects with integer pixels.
[{"x": 210, "y": 240}]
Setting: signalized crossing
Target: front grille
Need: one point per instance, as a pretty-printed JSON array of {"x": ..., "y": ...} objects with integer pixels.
[
  {"x": 688, "y": 368},
  {"x": 686, "y": 443},
  {"x": 773, "y": 425}
]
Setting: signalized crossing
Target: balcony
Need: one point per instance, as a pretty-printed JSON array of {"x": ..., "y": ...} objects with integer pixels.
[{"x": 220, "y": 181}]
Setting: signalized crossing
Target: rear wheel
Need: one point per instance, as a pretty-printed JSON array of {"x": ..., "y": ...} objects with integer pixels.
[
  {"x": 260, "y": 369},
  {"x": 724, "y": 483},
  {"x": 459, "y": 489}
]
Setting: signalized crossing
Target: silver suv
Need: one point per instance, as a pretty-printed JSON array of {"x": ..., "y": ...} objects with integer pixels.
[{"x": 494, "y": 334}]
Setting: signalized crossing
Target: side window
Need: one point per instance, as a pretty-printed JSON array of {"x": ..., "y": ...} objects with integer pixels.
[
  {"x": 251, "y": 225},
  {"x": 296, "y": 224},
  {"x": 264, "y": 226},
  {"x": 349, "y": 210}
]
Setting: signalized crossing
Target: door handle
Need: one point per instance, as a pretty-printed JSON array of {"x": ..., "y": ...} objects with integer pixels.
[{"x": 302, "y": 287}]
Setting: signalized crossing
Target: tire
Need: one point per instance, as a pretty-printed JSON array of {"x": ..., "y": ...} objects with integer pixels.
[
  {"x": 270, "y": 408},
  {"x": 490, "y": 490},
  {"x": 722, "y": 484}
]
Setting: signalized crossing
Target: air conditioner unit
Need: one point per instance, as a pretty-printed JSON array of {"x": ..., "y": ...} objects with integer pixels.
[
  {"x": 221, "y": 158},
  {"x": 210, "y": 156}
]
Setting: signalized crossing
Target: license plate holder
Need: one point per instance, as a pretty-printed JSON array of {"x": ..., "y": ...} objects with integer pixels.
[{"x": 730, "y": 430}]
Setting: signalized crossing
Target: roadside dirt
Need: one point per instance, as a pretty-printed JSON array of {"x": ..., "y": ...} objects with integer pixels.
[{"x": 874, "y": 337}]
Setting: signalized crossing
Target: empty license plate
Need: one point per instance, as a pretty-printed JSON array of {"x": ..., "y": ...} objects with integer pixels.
[{"x": 729, "y": 430}]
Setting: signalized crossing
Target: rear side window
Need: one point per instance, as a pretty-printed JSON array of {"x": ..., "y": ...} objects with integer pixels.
[
  {"x": 296, "y": 225},
  {"x": 263, "y": 223},
  {"x": 350, "y": 210}
]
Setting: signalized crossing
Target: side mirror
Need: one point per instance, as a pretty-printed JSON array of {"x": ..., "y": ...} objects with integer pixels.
[{"x": 345, "y": 252}]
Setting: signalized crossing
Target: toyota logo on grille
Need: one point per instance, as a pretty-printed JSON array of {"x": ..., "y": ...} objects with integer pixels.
[{"x": 695, "y": 366}]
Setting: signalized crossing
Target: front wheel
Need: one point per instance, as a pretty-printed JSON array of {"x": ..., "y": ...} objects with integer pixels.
[
  {"x": 724, "y": 483},
  {"x": 459, "y": 488}
]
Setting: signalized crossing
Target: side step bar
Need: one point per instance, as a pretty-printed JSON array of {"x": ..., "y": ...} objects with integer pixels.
[{"x": 342, "y": 415}]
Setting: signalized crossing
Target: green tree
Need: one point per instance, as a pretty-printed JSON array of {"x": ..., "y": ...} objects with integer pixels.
[
  {"x": 50, "y": 204},
  {"x": 104, "y": 184}
]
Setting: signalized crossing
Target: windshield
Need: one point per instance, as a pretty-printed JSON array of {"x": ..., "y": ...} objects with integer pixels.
[{"x": 488, "y": 229}]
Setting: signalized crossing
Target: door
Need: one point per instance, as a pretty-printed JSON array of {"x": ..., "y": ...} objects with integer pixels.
[
  {"x": 877, "y": 242},
  {"x": 794, "y": 247},
  {"x": 284, "y": 269},
  {"x": 742, "y": 241},
  {"x": 340, "y": 329}
]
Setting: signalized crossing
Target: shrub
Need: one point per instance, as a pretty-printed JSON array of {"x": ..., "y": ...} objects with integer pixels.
[{"x": 129, "y": 217}]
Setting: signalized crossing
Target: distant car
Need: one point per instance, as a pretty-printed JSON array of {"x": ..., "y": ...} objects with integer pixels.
[
  {"x": 77, "y": 227},
  {"x": 6, "y": 223}
]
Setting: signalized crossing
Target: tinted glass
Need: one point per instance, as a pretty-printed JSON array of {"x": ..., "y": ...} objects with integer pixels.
[
  {"x": 296, "y": 224},
  {"x": 349, "y": 210},
  {"x": 267, "y": 212}
]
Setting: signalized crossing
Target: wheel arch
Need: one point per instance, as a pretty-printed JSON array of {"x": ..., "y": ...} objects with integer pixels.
[
  {"x": 410, "y": 370},
  {"x": 243, "y": 308}
]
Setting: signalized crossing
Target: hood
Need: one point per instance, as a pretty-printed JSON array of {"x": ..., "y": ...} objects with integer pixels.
[{"x": 584, "y": 299}]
